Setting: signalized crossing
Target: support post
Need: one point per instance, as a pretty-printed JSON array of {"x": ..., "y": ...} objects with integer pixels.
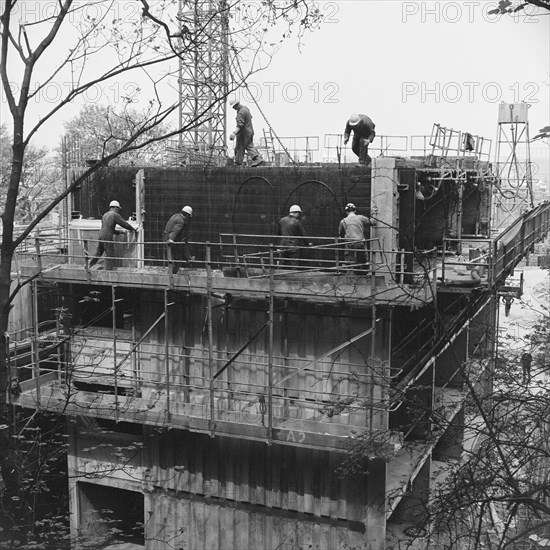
[
  {"x": 270, "y": 350},
  {"x": 113, "y": 319},
  {"x": 210, "y": 336},
  {"x": 135, "y": 361},
  {"x": 372, "y": 366},
  {"x": 170, "y": 265},
  {"x": 37, "y": 247},
  {"x": 36, "y": 349},
  {"x": 86, "y": 257},
  {"x": 167, "y": 355},
  {"x": 236, "y": 254}
]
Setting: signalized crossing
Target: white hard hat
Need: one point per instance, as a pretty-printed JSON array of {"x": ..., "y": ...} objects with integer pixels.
[
  {"x": 188, "y": 210},
  {"x": 233, "y": 100},
  {"x": 114, "y": 203},
  {"x": 294, "y": 208},
  {"x": 354, "y": 119},
  {"x": 350, "y": 206}
]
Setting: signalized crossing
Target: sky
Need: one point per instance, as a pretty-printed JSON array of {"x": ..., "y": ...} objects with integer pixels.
[
  {"x": 409, "y": 65},
  {"x": 405, "y": 64}
]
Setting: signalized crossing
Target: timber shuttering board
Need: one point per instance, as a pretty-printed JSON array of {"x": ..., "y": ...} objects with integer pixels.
[
  {"x": 229, "y": 199},
  {"x": 222, "y": 493}
]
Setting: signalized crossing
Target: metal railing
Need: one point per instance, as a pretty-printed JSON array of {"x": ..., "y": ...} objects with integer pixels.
[
  {"x": 301, "y": 388},
  {"x": 257, "y": 256},
  {"x": 456, "y": 145},
  {"x": 240, "y": 255}
]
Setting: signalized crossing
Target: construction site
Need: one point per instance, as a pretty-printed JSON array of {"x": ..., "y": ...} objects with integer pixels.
[
  {"x": 217, "y": 407},
  {"x": 214, "y": 406}
]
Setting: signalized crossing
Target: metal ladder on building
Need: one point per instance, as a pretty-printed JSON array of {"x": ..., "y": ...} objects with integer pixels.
[{"x": 269, "y": 145}]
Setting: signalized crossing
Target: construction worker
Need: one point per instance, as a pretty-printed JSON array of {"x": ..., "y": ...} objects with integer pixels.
[
  {"x": 176, "y": 235},
  {"x": 109, "y": 221},
  {"x": 244, "y": 135},
  {"x": 526, "y": 360},
  {"x": 363, "y": 135},
  {"x": 292, "y": 234},
  {"x": 355, "y": 227}
]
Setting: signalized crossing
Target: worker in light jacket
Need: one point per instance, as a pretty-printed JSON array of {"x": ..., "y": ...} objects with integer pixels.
[
  {"x": 108, "y": 230},
  {"x": 176, "y": 236},
  {"x": 355, "y": 227},
  {"x": 363, "y": 135},
  {"x": 244, "y": 135}
]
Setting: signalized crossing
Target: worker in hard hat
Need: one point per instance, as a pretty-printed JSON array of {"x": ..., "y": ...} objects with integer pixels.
[
  {"x": 108, "y": 230},
  {"x": 355, "y": 228},
  {"x": 363, "y": 135},
  {"x": 293, "y": 235},
  {"x": 244, "y": 135},
  {"x": 176, "y": 235}
]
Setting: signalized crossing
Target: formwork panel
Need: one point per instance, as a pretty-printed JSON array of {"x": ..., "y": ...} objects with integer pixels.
[
  {"x": 259, "y": 512},
  {"x": 228, "y": 199}
]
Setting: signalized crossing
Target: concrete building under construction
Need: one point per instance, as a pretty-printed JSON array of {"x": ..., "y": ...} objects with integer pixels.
[{"x": 217, "y": 408}]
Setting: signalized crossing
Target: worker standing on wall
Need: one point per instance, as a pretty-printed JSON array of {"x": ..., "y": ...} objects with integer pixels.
[
  {"x": 293, "y": 235},
  {"x": 108, "y": 230},
  {"x": 363, "y": 135},
  {"x": 244, "y": 135},
  {"x": 355, "y": 227},
  {"x": 176, "y": 235}
]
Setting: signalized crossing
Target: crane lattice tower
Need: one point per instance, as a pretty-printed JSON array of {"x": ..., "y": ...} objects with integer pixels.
[{"x": 203, "y": 79}]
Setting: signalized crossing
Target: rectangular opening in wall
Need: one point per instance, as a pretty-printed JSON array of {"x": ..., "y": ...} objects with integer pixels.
[{"x": 110, "y": 517}]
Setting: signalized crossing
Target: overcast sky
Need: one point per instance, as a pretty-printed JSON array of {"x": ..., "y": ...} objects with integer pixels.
[
  {"x": 405, "y": 64},
  {"x": 408, "y": 65}
]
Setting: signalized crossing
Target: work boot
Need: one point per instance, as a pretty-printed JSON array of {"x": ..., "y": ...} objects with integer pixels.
[{"x": 257, "y": 161}]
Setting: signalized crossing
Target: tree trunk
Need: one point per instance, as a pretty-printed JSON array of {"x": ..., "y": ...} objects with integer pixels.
[{"x": 8, "y": 462}]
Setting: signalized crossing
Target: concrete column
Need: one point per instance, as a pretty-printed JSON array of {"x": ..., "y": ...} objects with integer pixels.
[{"x": 384, "y": 201}]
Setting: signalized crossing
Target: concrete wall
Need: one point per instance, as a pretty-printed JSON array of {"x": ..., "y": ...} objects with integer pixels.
[{"x": 201, "y": 492}]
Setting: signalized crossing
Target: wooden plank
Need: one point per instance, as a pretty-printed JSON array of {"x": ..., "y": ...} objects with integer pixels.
[
  {"x": 327, "y": 478},
  {"x": 243, "y": 469},
  {"x": 309, "y": 489},
  {"x": 268, "y": 531},
  {"x": 256, "y": 537},
  {"x": 227, "y": 528},
  {"x": 241, "y": 527},
  {"x": 275, "y": 487},
  {"x": 197, "y": 530},
  {"x": 289, "y": 472},
  {"x": 183, "y": 448},
  {"x": 196, "y": 461},
  {"x": 258, "y": 475},
  {"x": 279, "y": 532},
  {"x": 213, "y": 538}
]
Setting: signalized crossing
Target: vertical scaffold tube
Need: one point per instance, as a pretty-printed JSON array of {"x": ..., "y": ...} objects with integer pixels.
[
  {"x": 113, "y": 319},
  {"x": 167, "y": 355},
  {"x": 210, "y": 335},
  {"x": 36, "y": 349},
  {"x": 270, "y": 351}
]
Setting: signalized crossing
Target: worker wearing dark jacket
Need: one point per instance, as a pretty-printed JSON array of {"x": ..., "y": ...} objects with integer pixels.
[
  {"x": 108, "y": 230},
  {"x": 244, "y": 135},
  {"x": 363, "y": 135},
  {"x": 293, "y": 235},
  {"x": 355, "y": 228},
  {"x": 176, "y": 235}
]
